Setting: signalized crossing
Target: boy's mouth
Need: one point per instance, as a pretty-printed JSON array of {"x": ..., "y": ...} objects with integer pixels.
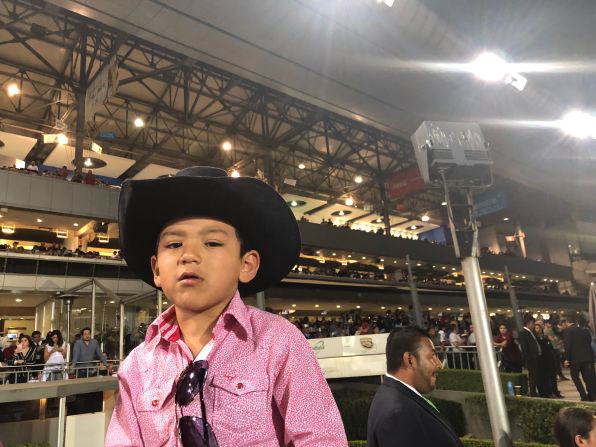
[{"x": 189, "y": 278}]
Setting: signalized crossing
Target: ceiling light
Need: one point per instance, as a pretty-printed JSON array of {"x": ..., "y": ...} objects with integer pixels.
[
  {"x": 301, "y": 166},
  {"x": 460, "y": 309},
  {"x": 363, "y": 257},
  {"x": 349, "y": 256},
  {"x": 235, "y": 174},
  {"x": 419, "y": 265},
  {"x": 316, "y": 305},
  {"x": 358, "y": 306},
  {"x": 505, "y": 219},
  {"x": 449, "y": 308},
  {"x": 413, "y": 227},
  {"x": 138, "y": 122},
  {"x": 62, "y": 139},
  {"x": 39, "y": 220},
  {"x": 293, "y": 203},
  {"x": 443, "y": 267},
  {"x": 358, "y": 179},
  {"x": 293, "y": 305},
  {"x": 383, "y": 307},
  {"x": 444, "y": 203},
  {"x": 13, "y": 89},
  {"x": 425, "y": 218},
  {"x": 341, "y": 213},
  {"x": 498, "y": 310},
  {"x": 75, "y": 224},
  {"x": 18, "y": 300},
  {"x": 112, "y": 302},
  {"x": 88, "y": 163},
  {"x": 379, "y": 220},
  {"x": 395, "y": 262},
  {"x": 489, "y": 67},
  {"x": 333, "y": 254},
  {"x": 350, "y": 201},
  {"x": 338, "y": 306},
  {"x": 318, "y": 252},
  {"x": 453, "y": 269},
  {"x": 226, "y": 146},
  {"x": 430, "y": 308},
  {"x": 579, "y": 124},
  {"x": 382, "y": 260}
]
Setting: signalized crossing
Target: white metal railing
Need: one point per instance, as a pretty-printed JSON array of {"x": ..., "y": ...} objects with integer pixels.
[{"x": 463, "y": 357}]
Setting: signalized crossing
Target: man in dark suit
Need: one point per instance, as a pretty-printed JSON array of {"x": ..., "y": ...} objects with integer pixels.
[
  {"x": 399, "y": 414},
  {"x": 580, "y": 358},
  {"x": 531, "y": 351}
]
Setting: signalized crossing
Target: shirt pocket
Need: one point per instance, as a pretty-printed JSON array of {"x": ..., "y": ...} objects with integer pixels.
[
  {"x": 241, "y": 402},
  {"x": 155, "y": 420}
]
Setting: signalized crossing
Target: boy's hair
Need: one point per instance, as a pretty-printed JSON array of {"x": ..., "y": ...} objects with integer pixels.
[
  {"x": 85, "y": 329},
  {"x": 400, "y": 341},
  {"x": 571, "y": 422}
]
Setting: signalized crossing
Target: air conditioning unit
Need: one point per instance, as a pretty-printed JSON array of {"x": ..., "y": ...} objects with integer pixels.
[{"x": 456, "y": 150}]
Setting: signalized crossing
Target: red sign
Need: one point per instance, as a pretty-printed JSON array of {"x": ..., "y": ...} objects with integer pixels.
[{"x": 404, "y": 182}]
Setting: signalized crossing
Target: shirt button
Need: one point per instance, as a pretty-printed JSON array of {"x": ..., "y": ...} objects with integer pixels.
[
  {"x": 240, "y": 386},
  {"x": 155, "y": 402}
]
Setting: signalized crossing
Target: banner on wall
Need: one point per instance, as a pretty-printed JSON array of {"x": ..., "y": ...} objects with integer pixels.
[
  {"x": 404, "y": 182},
  {"x": 357, "y": 345}
]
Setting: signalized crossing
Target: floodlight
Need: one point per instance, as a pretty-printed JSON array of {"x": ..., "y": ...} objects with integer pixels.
[
  {"x": 226, "y": 146},
  {"x": 489, "y": 67},
  {"x": 235, "y": 173},
  {"x": 138, "y": 122},
  {"x": 358, "y": 179},
  {"x": 350, "y": 201},
  {"x": 62, "y": 139},
  {"x": 13, "y": 89},
  {"x": 579, "y": 124}
]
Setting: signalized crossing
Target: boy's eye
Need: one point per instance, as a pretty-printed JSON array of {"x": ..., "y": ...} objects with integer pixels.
[
  {"x": 213, "y": 244},
  {"x": 173, "y": 244}
]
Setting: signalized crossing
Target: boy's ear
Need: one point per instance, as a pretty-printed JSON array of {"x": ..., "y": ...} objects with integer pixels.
[
  {"x": 250, "y": 266},
  {"x": 155, "y": 270}
]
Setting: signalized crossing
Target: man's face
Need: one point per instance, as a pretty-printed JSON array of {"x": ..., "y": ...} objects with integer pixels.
[
  {"x": 198, "y": 264},
  {"x": 426, "y": 367},
  {"x": 538, "y": 327},
  {"x": 86, "y": 335},
  {"x": 36, "y": 338},
  {"x": 530, "y": 325}
]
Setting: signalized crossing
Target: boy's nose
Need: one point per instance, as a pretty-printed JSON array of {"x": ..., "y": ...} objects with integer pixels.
[{"x": 189, "y": 256}]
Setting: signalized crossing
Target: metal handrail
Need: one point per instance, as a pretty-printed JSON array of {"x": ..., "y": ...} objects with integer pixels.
[{"x": 32, "y": 373}]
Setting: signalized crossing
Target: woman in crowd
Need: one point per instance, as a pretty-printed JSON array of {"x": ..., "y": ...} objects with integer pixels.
[
  {"x": 54, "y": 356},
  {"x": 575, "y": 427},
  {"x": 23, "y": 355},
  {"x": 511, "y": 355}
]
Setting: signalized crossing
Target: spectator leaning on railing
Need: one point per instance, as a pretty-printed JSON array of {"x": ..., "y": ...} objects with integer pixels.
[{"x": 86, "y": 351}]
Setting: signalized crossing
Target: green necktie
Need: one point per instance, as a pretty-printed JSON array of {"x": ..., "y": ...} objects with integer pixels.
[{"x": 431, "y": 404}]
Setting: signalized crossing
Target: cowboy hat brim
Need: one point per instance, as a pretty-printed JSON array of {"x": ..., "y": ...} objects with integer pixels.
[{"x": 260, "y": 215}]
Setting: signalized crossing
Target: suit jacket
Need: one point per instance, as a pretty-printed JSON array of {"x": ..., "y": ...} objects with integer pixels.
[
  {"x": 529, "y": 345},
  {"x": 398, "y": 417},
  {"x": 578, "y": 344}
]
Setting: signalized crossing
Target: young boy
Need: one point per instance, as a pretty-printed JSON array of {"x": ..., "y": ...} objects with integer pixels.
[{"x": 213, "y": 371}]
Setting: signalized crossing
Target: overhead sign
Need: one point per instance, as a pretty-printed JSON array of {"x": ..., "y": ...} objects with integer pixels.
[
  {"x": 490, "y": 202},
  {"x": 103, "y": 86},
  {"x": 404, "y": 182}
]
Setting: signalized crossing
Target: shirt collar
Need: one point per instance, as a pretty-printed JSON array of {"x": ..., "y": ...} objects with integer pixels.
[
  {"x": 165, "y": 327},
  {"x": 405, "y": 384}
]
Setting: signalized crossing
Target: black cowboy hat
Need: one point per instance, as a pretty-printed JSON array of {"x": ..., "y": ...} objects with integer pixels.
[{"x": 261, "y": 216}]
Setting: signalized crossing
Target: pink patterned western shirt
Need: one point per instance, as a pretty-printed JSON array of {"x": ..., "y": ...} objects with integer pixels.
[{"x": 264, "y": 386}]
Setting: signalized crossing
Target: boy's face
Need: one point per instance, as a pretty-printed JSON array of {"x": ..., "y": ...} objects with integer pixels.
[{"x": 198, "y": 264}]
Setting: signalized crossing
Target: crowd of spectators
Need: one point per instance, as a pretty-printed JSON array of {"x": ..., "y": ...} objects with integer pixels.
[
  {"x": 28, "y": 358},
  {"x": 56, "y": 249},
  {"x": 63, "y": 173}
]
